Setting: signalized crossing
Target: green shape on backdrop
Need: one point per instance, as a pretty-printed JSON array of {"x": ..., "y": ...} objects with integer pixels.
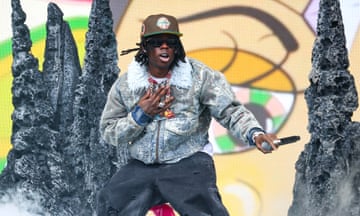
[
  {"x": 2, "y": 164},
  {"x": 225, "y": 143}
]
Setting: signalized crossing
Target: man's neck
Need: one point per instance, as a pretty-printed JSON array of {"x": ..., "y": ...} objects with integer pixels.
[{"x": 159, "y": 73}]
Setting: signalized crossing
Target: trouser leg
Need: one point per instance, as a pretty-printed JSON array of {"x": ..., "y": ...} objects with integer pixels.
[
  {"x": 190, "y": 186},
  {"x": 129, "y": 192}
]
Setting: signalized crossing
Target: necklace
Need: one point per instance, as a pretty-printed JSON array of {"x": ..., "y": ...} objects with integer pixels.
[{"x": 168, "y": 114}]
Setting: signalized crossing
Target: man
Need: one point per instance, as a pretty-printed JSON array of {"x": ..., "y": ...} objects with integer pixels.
[{"x": 158, "y": 114}]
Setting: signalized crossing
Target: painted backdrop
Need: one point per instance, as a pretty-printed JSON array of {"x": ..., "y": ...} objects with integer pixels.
[{"x": 262, "y": 46}]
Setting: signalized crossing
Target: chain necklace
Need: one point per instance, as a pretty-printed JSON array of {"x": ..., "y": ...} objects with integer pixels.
[{"x": 168, "y": 114}]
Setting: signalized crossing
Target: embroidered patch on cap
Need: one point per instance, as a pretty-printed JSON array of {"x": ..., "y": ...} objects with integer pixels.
[
  {"x": 163, "y": 23},
  {"x": 143, "y": 29}
]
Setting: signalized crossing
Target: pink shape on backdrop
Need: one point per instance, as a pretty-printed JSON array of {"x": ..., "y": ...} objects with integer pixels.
[
  {"x": 274, "y": 107},
  {"x": 242, "y": 94},
  {"x": 218, "y": 129},
  {"x": 311, "y": 12}
]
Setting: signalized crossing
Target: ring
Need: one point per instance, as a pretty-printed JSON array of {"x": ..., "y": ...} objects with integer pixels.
[{"x": 161, "y": 105}]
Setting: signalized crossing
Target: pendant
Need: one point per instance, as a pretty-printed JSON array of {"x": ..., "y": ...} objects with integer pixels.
[{"x": 169, "y": 114}]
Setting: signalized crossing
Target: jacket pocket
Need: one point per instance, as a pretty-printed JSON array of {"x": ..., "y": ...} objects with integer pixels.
[{"x": 181, "y": 126}]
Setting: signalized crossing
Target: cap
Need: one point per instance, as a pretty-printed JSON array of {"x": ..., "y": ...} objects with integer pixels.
[{"x": 160, "y": 24}]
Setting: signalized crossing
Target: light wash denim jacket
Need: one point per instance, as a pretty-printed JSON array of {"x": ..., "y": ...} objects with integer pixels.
[{"x": 200, "y": 94}]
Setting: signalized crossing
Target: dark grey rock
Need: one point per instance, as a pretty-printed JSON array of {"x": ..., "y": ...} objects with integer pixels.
[
  {"x": 58, "y": 160},
  {"x": 327, "y": 171}
]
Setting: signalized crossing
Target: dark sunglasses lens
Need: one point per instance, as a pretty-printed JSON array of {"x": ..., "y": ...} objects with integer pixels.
[
  {"x": 154, "y": 42},
  {"x": 172, "y": 42},
  {"x": 159, "y": 42}
]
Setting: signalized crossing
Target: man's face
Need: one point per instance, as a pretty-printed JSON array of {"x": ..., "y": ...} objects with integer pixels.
[{"x": 161, "y": 50}]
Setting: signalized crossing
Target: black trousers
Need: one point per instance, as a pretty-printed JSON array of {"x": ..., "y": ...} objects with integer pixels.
[{"x": 189, "y": 186}]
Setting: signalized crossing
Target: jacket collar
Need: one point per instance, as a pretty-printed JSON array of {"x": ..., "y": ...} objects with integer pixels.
[{"x": 138, "y": 75}]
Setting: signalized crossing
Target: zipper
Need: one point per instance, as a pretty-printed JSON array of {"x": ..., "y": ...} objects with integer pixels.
[{"x": 157, "y": 142}]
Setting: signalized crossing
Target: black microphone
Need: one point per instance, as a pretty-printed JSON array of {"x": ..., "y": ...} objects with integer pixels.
[{"x": 282, "y": 141}]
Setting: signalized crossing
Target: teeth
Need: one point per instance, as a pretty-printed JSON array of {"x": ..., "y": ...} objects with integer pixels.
[{"x": 164, "y": 55}]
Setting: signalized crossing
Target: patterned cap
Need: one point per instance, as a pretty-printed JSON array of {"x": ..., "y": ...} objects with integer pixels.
[{"x": 160, "y": 24}]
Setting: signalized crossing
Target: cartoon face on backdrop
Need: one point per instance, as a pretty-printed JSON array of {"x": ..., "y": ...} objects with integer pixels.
[
  {"x": 262, "y": 47},
  {"x": 264, "y": 50}
]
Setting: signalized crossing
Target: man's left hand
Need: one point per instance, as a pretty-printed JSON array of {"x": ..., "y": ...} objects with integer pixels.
[{"x": 269, "y": 138}]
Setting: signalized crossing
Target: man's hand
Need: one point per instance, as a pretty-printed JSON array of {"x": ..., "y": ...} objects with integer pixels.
[
  {"x": 269, "y": 138},
  {"x": 149, "y": 103}
]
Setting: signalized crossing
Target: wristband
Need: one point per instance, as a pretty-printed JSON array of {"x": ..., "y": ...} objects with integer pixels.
[
  {"x": 140, "y": 117},
  {"x": 253, "y": 133}
]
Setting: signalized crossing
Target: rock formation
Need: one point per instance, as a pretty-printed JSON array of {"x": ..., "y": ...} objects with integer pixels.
[
  {"x": 58, "y": 160},
  {"x": 328, "y": 170}
]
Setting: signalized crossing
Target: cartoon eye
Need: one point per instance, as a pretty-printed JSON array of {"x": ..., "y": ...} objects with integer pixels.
[{"x": 261, "y": 84}]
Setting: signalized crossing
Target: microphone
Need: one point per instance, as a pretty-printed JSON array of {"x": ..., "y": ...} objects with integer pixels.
[{"x": 282, "y": 141}]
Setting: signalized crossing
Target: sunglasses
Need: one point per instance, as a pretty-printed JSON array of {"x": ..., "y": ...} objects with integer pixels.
[{"x": 157, "y": 42}]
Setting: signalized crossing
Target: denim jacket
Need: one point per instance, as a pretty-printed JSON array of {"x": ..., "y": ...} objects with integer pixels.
[{"x": 200, "y": 93}]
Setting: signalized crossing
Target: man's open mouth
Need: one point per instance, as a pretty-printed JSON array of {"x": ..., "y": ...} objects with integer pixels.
[{"x": 164, "y": 57}]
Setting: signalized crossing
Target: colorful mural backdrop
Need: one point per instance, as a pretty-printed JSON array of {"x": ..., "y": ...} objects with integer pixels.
[{"x": 264, "y": 49}]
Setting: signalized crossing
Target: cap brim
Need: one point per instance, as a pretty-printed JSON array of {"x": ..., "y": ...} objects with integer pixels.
[{"x": 163, "y": 32}]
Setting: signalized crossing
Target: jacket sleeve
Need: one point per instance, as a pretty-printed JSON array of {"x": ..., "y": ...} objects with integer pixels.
[
  {"x": 219, "y": 97},
  {"x": 117, "y": 125}
]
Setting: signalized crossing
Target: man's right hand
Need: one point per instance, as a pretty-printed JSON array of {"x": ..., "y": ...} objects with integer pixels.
[{"x": 149, "y": 103}]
